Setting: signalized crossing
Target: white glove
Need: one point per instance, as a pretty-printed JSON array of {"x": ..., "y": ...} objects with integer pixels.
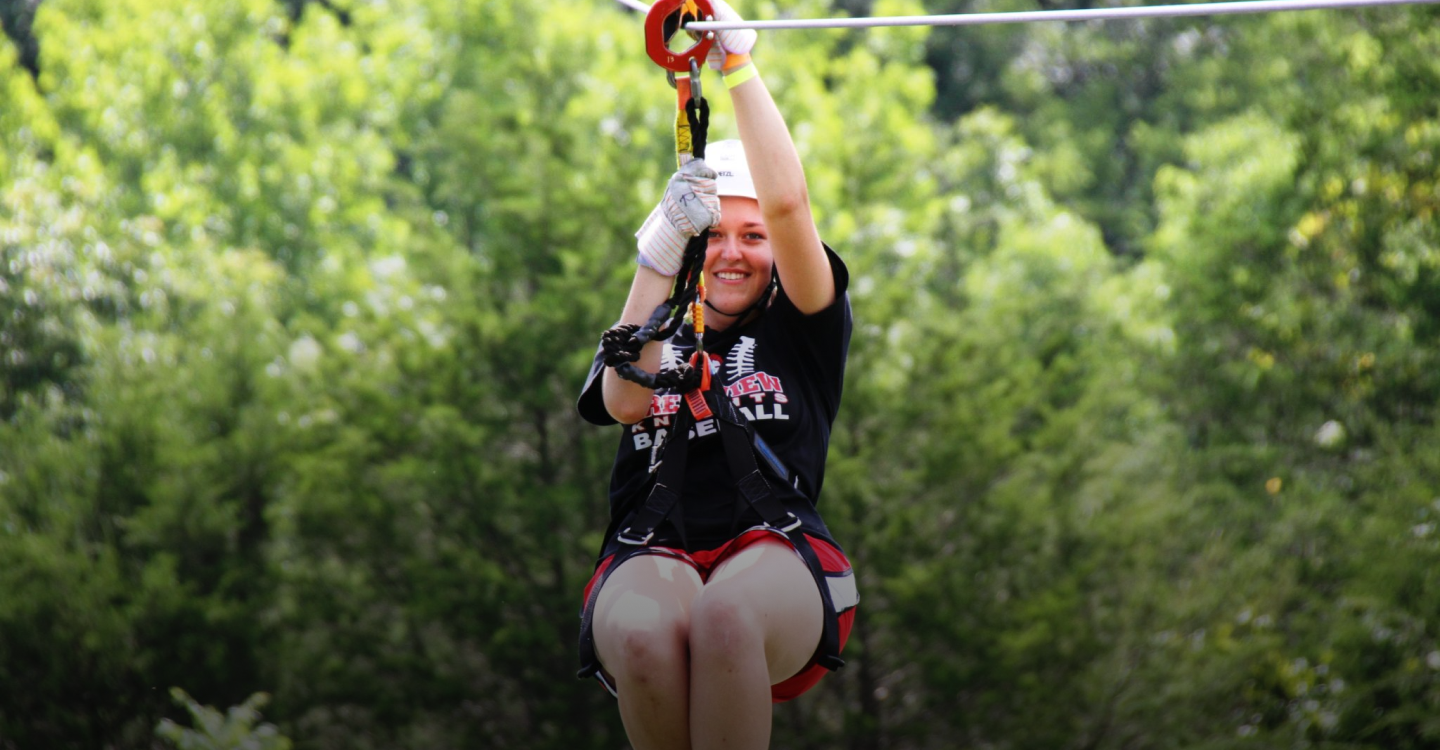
[
  {"x": 732, "y": 42},
  {"x": 688, "y": 209}
]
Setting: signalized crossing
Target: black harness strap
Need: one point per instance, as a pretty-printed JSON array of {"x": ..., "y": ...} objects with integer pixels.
[
  {"x": 754, "y": 490},
  {"x": 663, "y": 502},
  {"x": 664, "y": 497}
]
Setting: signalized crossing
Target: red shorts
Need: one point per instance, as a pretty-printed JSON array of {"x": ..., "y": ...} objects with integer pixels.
[{"x": 838, "y": 574}]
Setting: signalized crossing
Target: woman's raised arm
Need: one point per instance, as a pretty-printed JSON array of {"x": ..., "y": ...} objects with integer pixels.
[{"x": 780, "y": 187}]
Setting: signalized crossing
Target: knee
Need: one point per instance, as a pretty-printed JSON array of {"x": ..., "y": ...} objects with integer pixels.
[
  {"x": 723, "y": 627},
  {"x": 635, "y": 650}
]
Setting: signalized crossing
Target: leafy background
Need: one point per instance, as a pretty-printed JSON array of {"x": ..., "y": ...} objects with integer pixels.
[{"x": 1139, "y": 446}]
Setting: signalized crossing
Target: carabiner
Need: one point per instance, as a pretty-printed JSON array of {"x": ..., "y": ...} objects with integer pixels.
[{"x": 695, "y": 80}]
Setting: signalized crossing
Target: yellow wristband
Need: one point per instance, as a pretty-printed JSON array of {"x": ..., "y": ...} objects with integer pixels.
[{"x": 736, "y": 77}]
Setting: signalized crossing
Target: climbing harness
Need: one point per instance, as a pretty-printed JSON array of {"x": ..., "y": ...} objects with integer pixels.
[
  {"x": 704, "y": 399},
  {"x": 663, "y": 503}
]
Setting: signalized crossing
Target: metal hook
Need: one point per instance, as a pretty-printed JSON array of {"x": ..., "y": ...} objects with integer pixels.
[{"x": 695, "y": 80}]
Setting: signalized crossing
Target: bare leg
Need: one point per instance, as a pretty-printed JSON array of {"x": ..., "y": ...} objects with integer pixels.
[
  {"x": 755, "y": 623},
  {"x": 642, "y": 626}
]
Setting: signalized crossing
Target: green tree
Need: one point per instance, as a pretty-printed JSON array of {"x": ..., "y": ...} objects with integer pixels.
[{"x": 295, "y": 297}]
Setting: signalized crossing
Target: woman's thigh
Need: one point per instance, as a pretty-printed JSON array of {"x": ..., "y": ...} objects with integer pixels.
[
  {"x": 642, "y": 612},
  {"x": 768, "y": 584}
]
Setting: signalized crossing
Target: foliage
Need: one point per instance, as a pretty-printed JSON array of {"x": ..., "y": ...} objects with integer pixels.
[
  {"x": 1138, "y": 440},
  {"x": 233, "y": 730}
]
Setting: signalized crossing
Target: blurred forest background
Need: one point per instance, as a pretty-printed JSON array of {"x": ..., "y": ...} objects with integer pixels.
[{"x": 1139, "y": 446}]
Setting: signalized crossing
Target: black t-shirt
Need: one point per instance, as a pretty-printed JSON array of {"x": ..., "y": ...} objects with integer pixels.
[{"x": 784, "y": 372}]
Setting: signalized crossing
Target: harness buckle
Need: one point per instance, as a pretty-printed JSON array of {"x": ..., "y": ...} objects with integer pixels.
[
  {"x": 625, "y": 537},
  {"x": 794, "y": 522}
]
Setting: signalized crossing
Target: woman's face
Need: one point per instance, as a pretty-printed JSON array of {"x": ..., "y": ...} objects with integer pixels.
[{"x": 738, "y": 262}]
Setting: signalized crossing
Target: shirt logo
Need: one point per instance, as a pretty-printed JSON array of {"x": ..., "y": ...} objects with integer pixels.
[
  {"x": 757, "y": 394},
  {"x": 741, "y": 360}
]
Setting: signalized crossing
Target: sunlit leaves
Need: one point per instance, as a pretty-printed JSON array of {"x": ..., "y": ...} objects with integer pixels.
[{"x": 1137, "y": 442}]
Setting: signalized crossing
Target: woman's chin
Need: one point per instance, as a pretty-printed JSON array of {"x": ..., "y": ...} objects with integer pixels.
[{"x": 730, "y": 302}]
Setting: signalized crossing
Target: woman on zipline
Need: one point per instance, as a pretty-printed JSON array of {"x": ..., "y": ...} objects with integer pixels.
[{"x": 719, "y": 589}]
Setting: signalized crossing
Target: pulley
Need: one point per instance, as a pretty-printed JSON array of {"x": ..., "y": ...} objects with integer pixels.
[{"x": 665, "y": 21}]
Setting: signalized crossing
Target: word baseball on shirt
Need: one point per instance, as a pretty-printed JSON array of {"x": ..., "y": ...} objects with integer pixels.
[{"x": 759, "y": 396}]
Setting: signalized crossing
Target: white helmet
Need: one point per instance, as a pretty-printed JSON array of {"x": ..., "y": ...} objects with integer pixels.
[{"x": 727, "y": 158}]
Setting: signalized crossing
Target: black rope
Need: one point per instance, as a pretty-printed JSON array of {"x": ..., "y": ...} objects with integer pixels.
[
  {"x": 699, "y": 116},
  {"x": 621, "y": 345}
]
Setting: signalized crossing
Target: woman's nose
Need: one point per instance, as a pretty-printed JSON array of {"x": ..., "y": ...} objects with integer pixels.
[{"x": 729, "y": 248}]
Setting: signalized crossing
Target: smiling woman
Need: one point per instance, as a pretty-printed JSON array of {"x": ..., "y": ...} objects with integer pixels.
[{"x": 718, "y": 588}]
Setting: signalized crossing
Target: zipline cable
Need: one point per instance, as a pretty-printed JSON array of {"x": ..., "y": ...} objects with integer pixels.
[{"x": 1088, "y": 14}]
